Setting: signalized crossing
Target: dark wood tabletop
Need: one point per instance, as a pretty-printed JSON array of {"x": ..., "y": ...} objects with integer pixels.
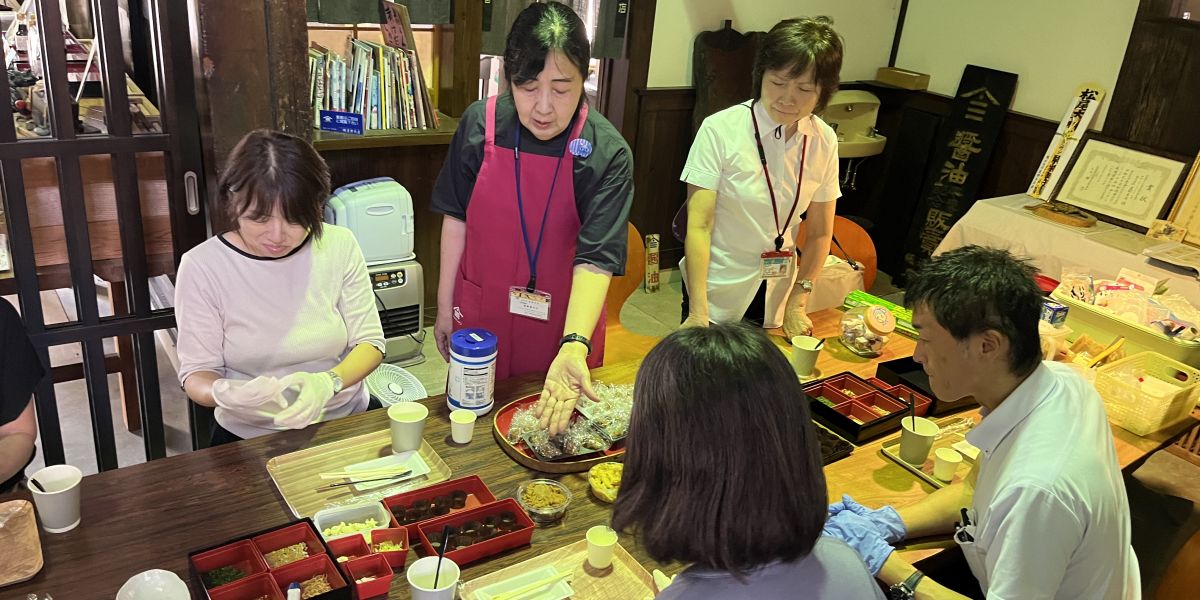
[{"x": 151, "y": 515}]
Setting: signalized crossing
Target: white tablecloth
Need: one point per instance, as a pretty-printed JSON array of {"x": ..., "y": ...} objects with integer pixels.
[{"x": 1102, "y": 251}]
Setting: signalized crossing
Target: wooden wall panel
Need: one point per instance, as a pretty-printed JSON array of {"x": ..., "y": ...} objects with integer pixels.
[
  {"x": 416, "y": 168},
  {"x": 1154, "y": 102},
  {"x": 664, "y": 135}
]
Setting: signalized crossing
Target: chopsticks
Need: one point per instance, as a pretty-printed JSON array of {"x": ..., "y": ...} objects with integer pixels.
[
  {"x": 381, "y": 472},
  {"x": 331, "y": 486},
  {"x": 529, "y": 587}
]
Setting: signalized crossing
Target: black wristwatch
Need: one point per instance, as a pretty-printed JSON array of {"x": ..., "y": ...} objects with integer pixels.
[
  {"x": 575, "y": 337},
  {"x": 907, "y": 589}
]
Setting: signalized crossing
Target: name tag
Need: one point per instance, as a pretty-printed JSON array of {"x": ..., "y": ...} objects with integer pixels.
[
  {"x": 777, "y": 264},
  {"x": 535, "y": 304}
]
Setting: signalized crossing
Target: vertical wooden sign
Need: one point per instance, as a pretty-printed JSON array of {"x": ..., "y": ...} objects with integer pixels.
[{"x": 964, "y": 144}]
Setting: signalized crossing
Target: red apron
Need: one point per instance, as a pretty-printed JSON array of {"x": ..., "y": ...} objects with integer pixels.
[{"x": 494, "y": 258}]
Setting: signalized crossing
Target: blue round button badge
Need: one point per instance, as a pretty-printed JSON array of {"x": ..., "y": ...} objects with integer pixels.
[{"x": 580, "y": 147}]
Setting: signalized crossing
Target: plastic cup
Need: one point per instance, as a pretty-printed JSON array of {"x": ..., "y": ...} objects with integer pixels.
[
  {"x": 916, "y": 438},
  {"x": 804, "y": 354},
  {"x": 601, "y": 540},
  {"x": 408, "y": 423},
  {"x": 462, "y": 425},
  {"x": 420, "y": 577},
  {"x": 58, "y": 506},
  {"x": 945, "y": 463}
]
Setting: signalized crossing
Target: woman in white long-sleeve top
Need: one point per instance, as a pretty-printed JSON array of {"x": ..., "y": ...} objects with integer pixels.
[{"x": 278, "y": 300}]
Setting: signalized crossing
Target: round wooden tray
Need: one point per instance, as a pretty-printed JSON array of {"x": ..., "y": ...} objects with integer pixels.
[
  {"x": 20, "y": 535},
  {"x": 525, "y": 457}
]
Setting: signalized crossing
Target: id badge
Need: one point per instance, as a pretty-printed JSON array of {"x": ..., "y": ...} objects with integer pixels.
[
  {"x": 777, "y": 264},
  {"x": 535, "y": 304}
]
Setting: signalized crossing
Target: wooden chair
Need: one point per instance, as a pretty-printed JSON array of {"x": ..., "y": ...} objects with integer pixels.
[
  {"x": 620, "y": 343},
  {"x": 856, "y": 242}
]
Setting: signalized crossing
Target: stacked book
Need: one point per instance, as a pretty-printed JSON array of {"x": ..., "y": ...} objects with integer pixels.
[{"x": 383, "y": 84}]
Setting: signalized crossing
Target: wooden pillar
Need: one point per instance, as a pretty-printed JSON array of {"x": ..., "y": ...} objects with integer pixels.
[
  {"x": 458, "y": 64},
  {"x": 253, "y": 62}
]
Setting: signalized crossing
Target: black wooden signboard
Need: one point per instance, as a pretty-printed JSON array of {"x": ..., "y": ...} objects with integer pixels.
[{"x": 959, "y": 160}]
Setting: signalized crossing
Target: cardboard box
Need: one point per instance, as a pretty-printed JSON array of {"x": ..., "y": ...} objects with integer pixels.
[{"x": 902, "y": 78}]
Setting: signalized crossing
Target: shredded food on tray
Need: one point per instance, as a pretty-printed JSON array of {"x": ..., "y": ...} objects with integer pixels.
[
  {"x": 287, "y": 554},
  {"x": 315, "y": 586},
  {"x": 541, "y": 495}
]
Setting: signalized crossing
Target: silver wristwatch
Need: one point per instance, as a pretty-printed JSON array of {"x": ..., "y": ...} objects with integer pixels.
[
  {"x": 907, "y": 589},
  {"x": 805, "y": 284},
  {"x": 337, "y": 381}
]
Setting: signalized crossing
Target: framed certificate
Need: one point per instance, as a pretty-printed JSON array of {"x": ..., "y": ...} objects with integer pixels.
[
  {"x": 1122, "y": 183},
  {"x": 1186, "y": 214}
]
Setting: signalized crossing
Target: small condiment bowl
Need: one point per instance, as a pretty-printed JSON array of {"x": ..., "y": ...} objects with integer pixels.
[
  {"x": 547, "y": 514},
  {"x": 602, "y": 492}
]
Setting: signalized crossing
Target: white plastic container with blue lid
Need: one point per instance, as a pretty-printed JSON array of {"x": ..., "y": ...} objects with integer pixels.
[{"x": 472, "y": 380}]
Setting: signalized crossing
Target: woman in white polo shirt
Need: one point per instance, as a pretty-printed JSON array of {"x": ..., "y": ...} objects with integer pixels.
[{"x": 743, "y": 171}]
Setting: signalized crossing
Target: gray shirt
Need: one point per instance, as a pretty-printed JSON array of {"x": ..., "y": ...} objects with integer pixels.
[{"x": 832, "y": 570}]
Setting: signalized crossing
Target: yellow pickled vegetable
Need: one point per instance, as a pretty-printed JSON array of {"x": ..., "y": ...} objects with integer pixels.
[{"x": 605, "y": 479}]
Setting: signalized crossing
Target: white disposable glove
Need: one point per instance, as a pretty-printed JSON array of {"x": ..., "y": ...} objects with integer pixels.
[
  {"x": 314, "y": 391},
  {"x": 259, "y": 396}
]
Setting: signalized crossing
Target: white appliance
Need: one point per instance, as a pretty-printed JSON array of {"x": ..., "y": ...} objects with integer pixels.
[
  {"x": 399, "y": 289},
  {"x": 379, "y": 212}
]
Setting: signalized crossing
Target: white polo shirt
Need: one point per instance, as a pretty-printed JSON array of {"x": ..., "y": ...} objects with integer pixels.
[
  {"x": 724, "y": 158},
  {"x": 1051, "y": 515}
]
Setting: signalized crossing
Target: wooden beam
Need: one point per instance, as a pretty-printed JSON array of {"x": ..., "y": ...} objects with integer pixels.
[{"x": 633, "y": 69}]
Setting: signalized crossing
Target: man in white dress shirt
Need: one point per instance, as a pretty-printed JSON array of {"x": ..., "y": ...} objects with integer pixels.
[{"x": 1044, "y": 513}]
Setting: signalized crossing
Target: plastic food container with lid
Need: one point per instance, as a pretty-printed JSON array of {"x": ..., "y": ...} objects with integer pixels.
[{"x": 866, "y": 329}]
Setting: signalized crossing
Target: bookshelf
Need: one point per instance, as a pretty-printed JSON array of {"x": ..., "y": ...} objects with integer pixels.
[{"x": 325, "y": 141}]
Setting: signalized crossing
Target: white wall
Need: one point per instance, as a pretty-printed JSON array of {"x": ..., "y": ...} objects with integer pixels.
[
  {"x": 867, "y": 26},
  {"x": 1053, "y": 47}
]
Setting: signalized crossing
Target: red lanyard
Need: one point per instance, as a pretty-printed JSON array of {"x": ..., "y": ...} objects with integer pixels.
[{"x": 762, "y": 156}]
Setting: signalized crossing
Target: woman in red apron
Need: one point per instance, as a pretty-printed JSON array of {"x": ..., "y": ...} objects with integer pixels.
[{"x": 535, "y": 195}]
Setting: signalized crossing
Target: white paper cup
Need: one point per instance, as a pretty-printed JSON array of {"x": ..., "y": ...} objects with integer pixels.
[
  {"x": 462, "y": 425},
  {"x": 408, "y": 423},
  {"x": 804, "y": 354},
  {"x": 601, "y": 540},
  {"x": 945, "y": 463},
  {"x": 916, "y": 438},
  {"x": 58, "y": 506},
  {"x": 420, "y": 577}
]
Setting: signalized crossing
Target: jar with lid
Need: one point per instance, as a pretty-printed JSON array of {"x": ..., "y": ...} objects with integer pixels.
[{"x": 866, "y": 329}]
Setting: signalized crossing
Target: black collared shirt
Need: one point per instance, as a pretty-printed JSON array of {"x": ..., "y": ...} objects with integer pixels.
[
  {"x": 20, "y": 372},
  {"x": 603, "y": 180}
]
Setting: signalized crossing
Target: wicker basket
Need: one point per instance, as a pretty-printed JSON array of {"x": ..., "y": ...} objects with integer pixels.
[{"x": 1140, "y": 412}]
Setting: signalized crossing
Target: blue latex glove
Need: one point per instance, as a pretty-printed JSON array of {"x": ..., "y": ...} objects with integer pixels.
[
  {"x": 886, "y": 520},
  {"x": 860, "y": 534}
]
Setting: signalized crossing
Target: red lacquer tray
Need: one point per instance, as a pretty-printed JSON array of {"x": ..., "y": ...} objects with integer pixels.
[{"x": 525, "y": 457}]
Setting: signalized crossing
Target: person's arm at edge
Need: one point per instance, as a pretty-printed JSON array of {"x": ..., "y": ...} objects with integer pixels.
[
  {"x": 16, "y": 442},
  {"x": 701, "y": 207},
  {"x": 818, "y": 232},
  {"x": 453, "y": 243},
  {"x": 568, "y": 375}
]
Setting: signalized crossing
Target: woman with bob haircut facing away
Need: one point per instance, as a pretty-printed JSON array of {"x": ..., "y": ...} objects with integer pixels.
[
  {"x": 277, "y": 300},
  {"x": 754, "y": 172},
  {"x": 747, "y": 518}
]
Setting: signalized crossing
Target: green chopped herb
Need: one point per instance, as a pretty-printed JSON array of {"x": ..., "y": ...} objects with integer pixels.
[{"x": 221, "y": 576}]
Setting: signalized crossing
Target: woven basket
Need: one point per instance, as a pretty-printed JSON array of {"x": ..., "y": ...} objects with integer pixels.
[{"x": 1142, "y": 413}]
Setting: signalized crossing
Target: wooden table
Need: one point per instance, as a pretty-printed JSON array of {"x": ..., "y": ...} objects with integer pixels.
[{"x": 150, "y": 515}]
